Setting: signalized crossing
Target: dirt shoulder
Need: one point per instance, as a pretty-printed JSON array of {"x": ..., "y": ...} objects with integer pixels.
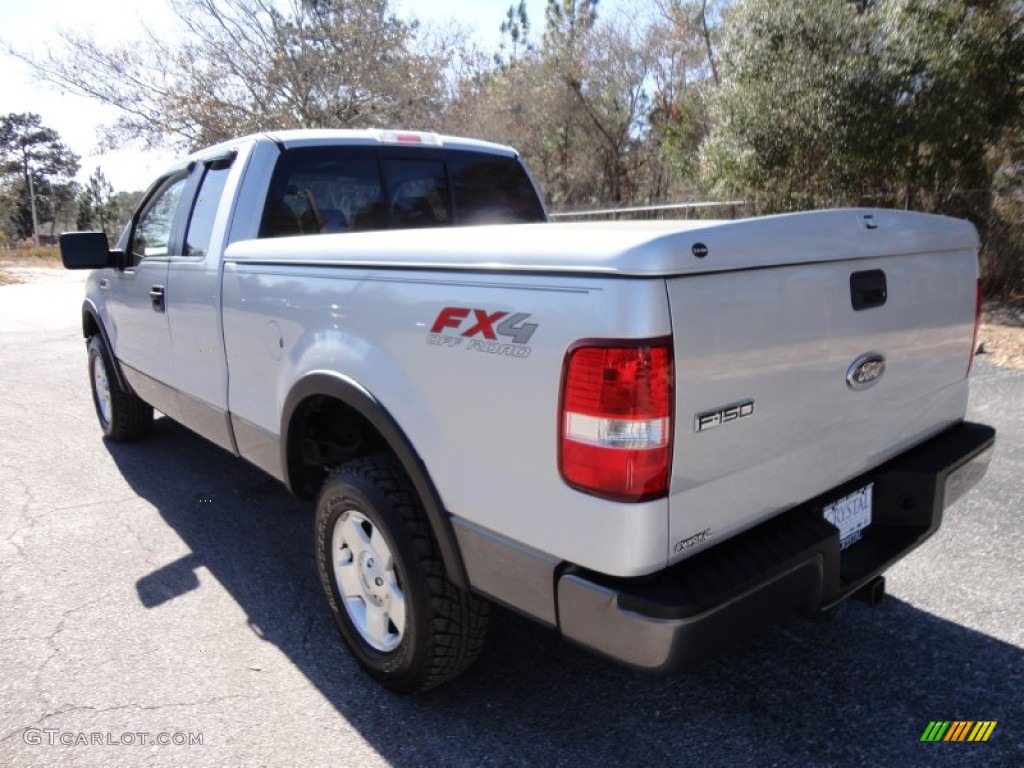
[
  {"x": 1001, "y": 336},
  {"x": 18, "y": 266},
  {"x": 9, "y": 273}
]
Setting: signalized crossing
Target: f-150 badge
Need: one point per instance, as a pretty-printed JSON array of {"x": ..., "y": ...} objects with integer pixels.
[{"x": 719, "y": 416}]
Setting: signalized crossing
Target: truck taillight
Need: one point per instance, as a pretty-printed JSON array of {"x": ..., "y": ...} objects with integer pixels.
[
  {"x": 615, "y": 432},
  {"x": 977, "y": 326}
]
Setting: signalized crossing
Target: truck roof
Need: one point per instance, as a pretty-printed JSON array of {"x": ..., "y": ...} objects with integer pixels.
[{"x": 306, "y": 137}]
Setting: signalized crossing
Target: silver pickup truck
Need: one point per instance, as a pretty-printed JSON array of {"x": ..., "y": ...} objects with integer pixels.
[{"x": 654, "y": 437}]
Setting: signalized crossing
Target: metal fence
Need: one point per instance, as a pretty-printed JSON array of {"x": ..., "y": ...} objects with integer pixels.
[{"x": 729, "y": 209}]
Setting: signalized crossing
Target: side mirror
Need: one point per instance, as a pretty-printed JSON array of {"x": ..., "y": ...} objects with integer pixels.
[{"x": 87, "y": 250}]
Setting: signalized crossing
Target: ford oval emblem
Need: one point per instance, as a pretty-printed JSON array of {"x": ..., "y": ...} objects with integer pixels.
[{"x": 865, "y": 371}]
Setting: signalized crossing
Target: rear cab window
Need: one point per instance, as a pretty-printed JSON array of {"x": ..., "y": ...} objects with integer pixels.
[
  {"x": 418, "y": 193},
  {"x": 331, "y": 189},
  {"x": 490, "y": 189}
]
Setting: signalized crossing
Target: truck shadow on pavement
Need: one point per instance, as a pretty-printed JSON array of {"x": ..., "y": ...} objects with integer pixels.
[{"x": 858, "y": 687}]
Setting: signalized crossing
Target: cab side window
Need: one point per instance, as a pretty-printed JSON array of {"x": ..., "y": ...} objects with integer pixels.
[
  {"x": 204, "y": 211},
  {"x": 152, "y": 236}
]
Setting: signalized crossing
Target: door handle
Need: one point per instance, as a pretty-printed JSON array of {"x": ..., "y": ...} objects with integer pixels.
[
  {"x": 104, "y": 283},
  {"x": 868, "y": 289},
  {"x": 156, "y": 295}
]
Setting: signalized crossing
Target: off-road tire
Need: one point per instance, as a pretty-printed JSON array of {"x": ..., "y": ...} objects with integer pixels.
[
  {"x": 127, "y": 417},
  {"x": 444, "y": 626}
]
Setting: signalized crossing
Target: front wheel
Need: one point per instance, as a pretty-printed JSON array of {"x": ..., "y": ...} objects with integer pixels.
[
  {"x": 122, "y": 415},
  {"x": 405, "y": 623}
]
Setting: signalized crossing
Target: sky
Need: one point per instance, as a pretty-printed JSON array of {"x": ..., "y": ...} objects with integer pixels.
[{"x": 116, "y": 21}]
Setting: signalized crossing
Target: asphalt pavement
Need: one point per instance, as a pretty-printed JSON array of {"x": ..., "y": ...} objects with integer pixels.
[{"x": 166, "y": 591}]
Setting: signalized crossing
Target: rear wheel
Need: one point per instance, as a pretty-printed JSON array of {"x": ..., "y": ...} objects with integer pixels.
[
  {"x": 405, "y": 623},
  {"x": 122, "y": 415}
]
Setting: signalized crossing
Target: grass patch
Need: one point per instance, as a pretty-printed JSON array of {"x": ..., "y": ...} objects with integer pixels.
[{"x": 43, "y": 256}]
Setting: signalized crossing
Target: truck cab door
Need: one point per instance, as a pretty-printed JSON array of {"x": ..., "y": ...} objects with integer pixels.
[
  {"x": 137, "y": 295},
  {"x": 199, "y": 370}
]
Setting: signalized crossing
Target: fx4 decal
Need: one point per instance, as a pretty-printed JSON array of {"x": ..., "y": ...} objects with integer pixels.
[{"x": 482, "y": 329}]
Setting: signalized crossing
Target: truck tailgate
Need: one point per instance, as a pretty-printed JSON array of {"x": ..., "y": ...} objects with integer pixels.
[{"x": 778, "y": 392}]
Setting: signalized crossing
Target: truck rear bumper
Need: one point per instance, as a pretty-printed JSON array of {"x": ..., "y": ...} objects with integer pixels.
[{"x": 789, "y": 564}]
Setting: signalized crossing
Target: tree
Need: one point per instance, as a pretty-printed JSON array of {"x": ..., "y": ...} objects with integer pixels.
[
  {"x": 575, "y": 106},
  {"x": 515, "y": 35},
  {"x": 63, "y": 207},
  {"x": 37, "y": 168},
  {"x": 605, "y": 110},
  {"x": 99, "y": 201},
  {"x": 122, "y": 205},
  {"x": 684, "y": 72},
  {"x": 1003, "y": 255},
  {"x": 776, "y": 113},
  {"x": 569, "y": 23},
  {"x": 906, "y": 103},
  {"x": 613, "y": 101},
  {"x": 86, "y": 216},
  {"x": 253, "y": 65},
  {"x": 523, "y": 101},
  {"x": 891, "y": 101}
]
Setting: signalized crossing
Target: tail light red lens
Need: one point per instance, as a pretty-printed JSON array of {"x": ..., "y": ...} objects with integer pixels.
[{"x": 616, "y": 419}]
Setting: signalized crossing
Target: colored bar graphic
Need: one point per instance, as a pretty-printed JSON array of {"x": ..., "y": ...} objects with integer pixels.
[
  {"x": 935, "y": 730},
  {"x": 959, "y": 730},
  {"x": 982, "y": 730}
]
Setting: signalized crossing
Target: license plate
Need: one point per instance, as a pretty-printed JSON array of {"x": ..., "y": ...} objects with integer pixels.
[{"x": 851, "y": 515}]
